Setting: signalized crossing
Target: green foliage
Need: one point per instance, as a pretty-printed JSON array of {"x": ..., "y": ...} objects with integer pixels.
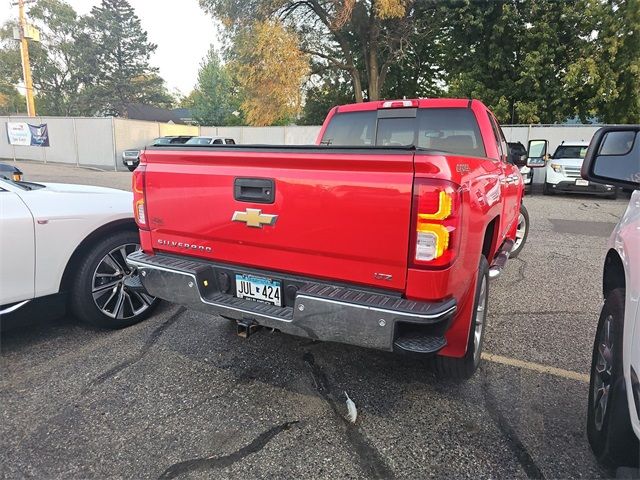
[
  {"x": 607, "y": 76},
  {"x": 93, "y": 65},
  {"x": 331, "y": 90},
  {"x": 11, "y": 102},
  {"x": 56, "y": 66},
  {"x": 115, "y": 52},
  {"x": 216, "y": 99},
  {"x": 514, "y": 56}
]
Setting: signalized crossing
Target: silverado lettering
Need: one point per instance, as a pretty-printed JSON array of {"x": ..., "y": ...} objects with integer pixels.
[{"x": 388, "y": 229}]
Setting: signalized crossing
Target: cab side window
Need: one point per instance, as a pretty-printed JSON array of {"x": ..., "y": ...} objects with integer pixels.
[{"x": 501, "y": 143}]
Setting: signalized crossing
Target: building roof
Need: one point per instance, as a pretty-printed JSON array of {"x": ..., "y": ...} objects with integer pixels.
[{"x": 140, "y": 111}]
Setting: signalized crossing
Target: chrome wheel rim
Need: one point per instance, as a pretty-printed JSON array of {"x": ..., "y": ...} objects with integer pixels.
[
  {"x": 480, "y": 317},
  {"x": 110, "y": 294},
  {"x": 603, "y": 373},
  {"x": 521, "y": 230}
]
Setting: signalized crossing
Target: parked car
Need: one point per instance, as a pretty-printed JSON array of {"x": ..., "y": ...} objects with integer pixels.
[
  {"x": 518, "y": 156},
  {"x": 131, "y": 158},
  {"x": 359, "y": 239},
  {"x": 64, "y": 248},
  {"x": 10, "y": 172},
  {"x": 613, "y": 415},
  {"x": 562, "y": 172},
  {"x": 211, "y": 141}
]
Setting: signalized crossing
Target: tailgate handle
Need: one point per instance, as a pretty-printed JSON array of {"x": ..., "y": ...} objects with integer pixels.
[{"x": 254, "y": 190}]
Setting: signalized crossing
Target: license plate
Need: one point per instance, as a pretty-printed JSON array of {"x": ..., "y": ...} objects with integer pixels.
[
  {"x": 258, "y": 288},
  {"x": 129, "y": 162},
  {"x": 582, "y": 183}
]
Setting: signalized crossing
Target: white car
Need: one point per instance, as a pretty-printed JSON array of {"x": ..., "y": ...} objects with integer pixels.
[
  {"x": 613, "y": 418},
  {"x": 64, "y": 247},
  {"x": 562, "y": 172}
]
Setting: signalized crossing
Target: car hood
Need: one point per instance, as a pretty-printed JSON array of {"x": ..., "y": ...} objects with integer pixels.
[
  {"x": 568, "y": 162},
  {"x": 73, "y": 188}
]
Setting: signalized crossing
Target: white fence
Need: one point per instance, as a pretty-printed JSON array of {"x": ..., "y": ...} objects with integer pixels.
[{"x": 99, "y": 142}]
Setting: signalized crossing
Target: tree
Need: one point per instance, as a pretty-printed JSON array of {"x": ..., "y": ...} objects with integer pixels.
[
  {"x": 11, "y": 102},
  {"x": 115, "y": 53},
  {"x": 607, "y": 75},
  {"x": 269, "y": 67},
  {"x": 216, "y": 99},
  {"x": 514, "y": 55},
  {"x": 10, "y": 68},
  {"x": 330, "y": 89},
  {"x": 361, "y": 38},
  {"x": 55, "y": 60}
]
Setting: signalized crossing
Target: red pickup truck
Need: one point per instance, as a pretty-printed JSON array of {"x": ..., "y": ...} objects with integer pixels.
[{"x": 382, "y": 235}]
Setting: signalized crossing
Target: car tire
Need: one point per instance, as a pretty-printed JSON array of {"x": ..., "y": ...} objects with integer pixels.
[
  {"x": 522, "y": 231},
  {"x": 92, "y": 298},
  {"x": 608, "y": 424},
  {"x": 546, "y": 189},
  {"x": 131, "y": 168},
  {"x": 614, "y": 194},
  {"x": 464, "y": 367}
]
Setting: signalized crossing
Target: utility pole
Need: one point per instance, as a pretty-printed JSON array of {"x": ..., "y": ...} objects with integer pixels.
[{"x": 25, "y": 31}]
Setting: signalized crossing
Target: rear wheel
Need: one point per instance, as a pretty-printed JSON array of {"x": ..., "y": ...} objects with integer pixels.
[
  {"x": 522, "y": 231},
  {"x": 463, "y": 368},
  {"x": 99, "y": 294},
  {"x": 608, "y": 424}
]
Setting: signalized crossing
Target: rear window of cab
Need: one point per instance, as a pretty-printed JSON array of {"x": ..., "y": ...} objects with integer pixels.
[{"x": 451, "y": 130}]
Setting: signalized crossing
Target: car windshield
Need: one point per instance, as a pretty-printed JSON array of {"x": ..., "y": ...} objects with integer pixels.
[
  {"x": 570, "y": 151},
  {"x": 162, "y": 141},
  {"x": 199, "y": 141},
  {"x": 21, "y": 185}
]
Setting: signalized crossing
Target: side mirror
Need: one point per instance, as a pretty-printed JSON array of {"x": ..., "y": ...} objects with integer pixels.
[
  {"x": 537, "y": 153},
  {"x": 613, "y": 157}
]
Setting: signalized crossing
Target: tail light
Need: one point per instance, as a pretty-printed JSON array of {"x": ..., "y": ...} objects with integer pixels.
[
  {"x": 436, "y": 221},
  {"x": 139, "y": 207}
]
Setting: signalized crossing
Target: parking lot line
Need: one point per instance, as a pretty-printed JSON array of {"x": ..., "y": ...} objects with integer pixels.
[{"x": 536, "y": 367}]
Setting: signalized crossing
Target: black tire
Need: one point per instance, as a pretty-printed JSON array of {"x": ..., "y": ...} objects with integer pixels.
[
  {"x": 523, "y": 222},
  {"x": 546, "y": 190},
  {"x": 463, "y": 368},
  {"x": 82, "y": 302},
  {"x": 614, "y": 194},
  {"x": 131, "y": 168},
  {"x": 610, "y": 435}
]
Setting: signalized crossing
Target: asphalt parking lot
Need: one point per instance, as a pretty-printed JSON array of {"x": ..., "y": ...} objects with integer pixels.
[{"x": 181, "y": 396}]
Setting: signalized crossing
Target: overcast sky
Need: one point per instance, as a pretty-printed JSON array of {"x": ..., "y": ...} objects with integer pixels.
[{"x": 180, "y": 28}]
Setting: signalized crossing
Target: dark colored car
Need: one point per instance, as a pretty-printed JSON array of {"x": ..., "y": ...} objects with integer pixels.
[
  {"x": 518, "y": 156},
  {"x": 10, "y": 172},
  {"x": 131, "y": 158}
]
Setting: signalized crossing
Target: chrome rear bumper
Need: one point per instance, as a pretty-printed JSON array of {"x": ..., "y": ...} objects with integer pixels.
[{"x": 320, "y": 311}]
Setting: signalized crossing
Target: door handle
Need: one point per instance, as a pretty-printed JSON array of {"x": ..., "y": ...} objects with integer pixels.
[{"x": 254, "y": 190}]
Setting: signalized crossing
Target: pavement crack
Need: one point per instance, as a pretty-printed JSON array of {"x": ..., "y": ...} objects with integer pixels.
[
  {"x": 511, "y": 437},
  {"x": 206, "y": 463},
  {"x": 370, "y": 458},
  {"x": 541, "y": 312},
  {"x": 521, "y": 271},
  {"x": 150, "y": 342}
]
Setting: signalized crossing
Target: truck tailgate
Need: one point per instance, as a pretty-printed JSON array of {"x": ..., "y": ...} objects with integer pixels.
[{"x": 341, "y": 214}]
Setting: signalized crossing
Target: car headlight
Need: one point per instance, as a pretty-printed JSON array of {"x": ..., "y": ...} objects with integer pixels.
[{"x": 556, "y": 168}]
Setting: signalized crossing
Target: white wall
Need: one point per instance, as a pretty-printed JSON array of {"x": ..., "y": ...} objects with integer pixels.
[
  {"x": 99, "y": 142},
  {"x": 95, "y": 142},
  {"x": 554, "y": 133},
  {"x": 132, "y": 134}
]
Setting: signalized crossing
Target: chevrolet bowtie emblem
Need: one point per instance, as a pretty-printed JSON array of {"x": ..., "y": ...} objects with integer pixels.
[{"x": 254, "y": 217}]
